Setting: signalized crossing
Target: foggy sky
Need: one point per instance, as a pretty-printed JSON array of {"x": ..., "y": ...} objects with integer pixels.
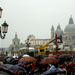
[{"x": 34, "y": 17}]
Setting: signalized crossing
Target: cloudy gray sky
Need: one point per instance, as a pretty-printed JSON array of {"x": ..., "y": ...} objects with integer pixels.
[{"x": 34, "y": 17}]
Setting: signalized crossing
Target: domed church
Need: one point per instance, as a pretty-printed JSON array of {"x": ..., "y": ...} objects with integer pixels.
[{"x": 68, "y": 35}]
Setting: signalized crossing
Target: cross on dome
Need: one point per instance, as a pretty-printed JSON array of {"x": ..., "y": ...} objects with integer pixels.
[{"x": 71, "y": 20}]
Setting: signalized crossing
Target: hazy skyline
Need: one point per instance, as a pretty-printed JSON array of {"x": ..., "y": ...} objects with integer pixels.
[{"x": 34, "y": 17}]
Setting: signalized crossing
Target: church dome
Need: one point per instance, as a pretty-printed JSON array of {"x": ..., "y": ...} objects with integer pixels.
[
  {"x": 59, "y": 31},
  {"x": 70, "y": 28}
]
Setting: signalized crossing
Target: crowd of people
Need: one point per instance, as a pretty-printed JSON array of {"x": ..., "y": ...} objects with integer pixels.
[{"x": 35, "y": 68}]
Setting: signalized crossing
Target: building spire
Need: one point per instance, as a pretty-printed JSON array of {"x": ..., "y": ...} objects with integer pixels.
[
  {"x": 58, "y": 27},
  {"x": 52, "y": 31},
  {"x": 52, "y": 27},
  {"x": 71, "y": 20},
  {"x": 15, "y": 33}
]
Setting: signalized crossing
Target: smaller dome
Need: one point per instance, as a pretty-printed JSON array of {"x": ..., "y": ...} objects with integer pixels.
[{"x": 59, "y": 31}]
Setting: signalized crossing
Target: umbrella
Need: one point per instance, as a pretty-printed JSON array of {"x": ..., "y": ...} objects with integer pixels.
[
  {"x": 66, "y": 56},
  {"x": 16, "y": 68},
  {"x": 50, "y": 55},
  {"x": 16, "y": 59},
  {"x": 27, "y": 59},
  {"x": 7, "y": 65},
  {"x": 55, "y": 56},
  {"x": 49, "y": 60},
  {"x": 14, "y": 56},
  {"x": 14, "y": 62},
  {"x": 61, "y": 56},
  {"x": 6, "y": 71},
  {"x": 55, "y": 71},
  {"x": 26, "y": 55},
  {"x": 8, "y": 59}
]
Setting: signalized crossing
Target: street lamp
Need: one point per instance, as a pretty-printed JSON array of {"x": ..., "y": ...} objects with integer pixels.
[
  {"x": 28, "y": 45},
  {"x": 0, "y": 12},
  {"x": 4, "y": 27}
]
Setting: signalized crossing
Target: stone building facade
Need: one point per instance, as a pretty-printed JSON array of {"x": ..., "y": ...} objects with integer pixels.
[
  {"x": 68, "y": 37},
  {"x": 15, "y": 46}
]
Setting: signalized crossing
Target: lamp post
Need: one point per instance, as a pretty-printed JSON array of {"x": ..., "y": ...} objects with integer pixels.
[
  {"x": 0, "y": 12},
  {"x": 28, "y": 45},
  {"x": 4, "y": 27}
]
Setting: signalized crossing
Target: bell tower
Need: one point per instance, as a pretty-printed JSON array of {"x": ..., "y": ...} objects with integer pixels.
[{"x": 52, "y": 32}]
